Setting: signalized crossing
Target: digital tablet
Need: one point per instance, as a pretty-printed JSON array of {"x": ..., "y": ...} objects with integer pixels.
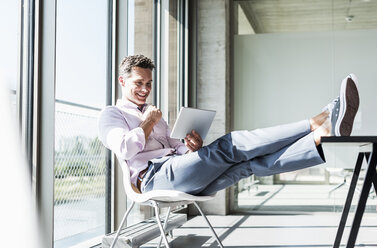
[{"x": 190, "y": 119}]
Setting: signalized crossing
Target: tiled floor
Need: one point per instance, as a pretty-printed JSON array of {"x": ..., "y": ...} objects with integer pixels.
[
  {"x": 310, "y": 198},
  {"x": 261, "y": 231},
  {"x": 281, "y": 216},
  {"x": 311, "y": 217}
]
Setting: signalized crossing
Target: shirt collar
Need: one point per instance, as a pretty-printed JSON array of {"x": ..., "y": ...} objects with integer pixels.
[{"x": 124, "y": 103}]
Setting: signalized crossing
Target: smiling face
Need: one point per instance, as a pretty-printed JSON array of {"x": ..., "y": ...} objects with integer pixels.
[{"x": 137, "y": 85}]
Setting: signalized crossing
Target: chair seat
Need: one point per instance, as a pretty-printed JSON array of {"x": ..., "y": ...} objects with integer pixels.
[{"x": 168, "y": 196}]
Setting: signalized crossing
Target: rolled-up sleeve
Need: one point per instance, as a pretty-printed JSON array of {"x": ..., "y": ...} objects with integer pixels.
[{"x": 116, "y": 135}]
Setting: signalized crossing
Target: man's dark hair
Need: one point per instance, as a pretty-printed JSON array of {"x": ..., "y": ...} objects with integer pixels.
[{"x": 129, "y": 62}]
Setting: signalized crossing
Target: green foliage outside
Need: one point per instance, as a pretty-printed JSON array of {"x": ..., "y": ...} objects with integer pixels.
[{"x": 80, "y": 169}]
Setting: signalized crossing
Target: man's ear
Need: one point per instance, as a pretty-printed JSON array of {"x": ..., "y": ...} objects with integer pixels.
[{"x": 121, "y": 81}]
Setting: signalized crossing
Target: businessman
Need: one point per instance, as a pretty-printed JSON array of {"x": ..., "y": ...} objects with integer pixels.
[{"x": 137, "y": 133}]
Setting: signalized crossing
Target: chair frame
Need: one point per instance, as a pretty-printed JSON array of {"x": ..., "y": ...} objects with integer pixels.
[{"x": 160, "y": 199}]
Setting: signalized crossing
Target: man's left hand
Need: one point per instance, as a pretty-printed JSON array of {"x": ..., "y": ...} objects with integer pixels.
[{"x": 193, "y": 141}]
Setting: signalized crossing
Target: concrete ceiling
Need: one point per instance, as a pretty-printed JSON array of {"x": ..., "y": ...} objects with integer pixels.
[{"x": 273, "y": 16}]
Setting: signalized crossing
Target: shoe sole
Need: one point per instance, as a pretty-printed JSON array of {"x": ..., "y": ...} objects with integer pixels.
[{"x": 349, "y": 104}]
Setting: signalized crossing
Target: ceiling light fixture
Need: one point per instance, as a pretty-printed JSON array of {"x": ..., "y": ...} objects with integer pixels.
[{"x": 349, "y": 18}]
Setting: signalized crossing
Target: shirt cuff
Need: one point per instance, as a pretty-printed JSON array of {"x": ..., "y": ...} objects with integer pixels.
[{"x": 182, "y": 150}]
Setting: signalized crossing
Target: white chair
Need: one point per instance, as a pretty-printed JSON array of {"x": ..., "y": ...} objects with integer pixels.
[
  {"x": 338, "y": 172},
  {"x": 159, "y": 199}
]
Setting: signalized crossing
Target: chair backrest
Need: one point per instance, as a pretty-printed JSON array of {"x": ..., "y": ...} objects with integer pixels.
[{"x": 130, "y": 189}]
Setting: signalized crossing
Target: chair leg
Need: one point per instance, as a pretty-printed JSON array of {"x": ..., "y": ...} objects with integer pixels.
[
  {"x": 209, "y": 224},
  {"x": 165, "y": 225},
  {"x": 157, "y": 212},
  {"x": 336, "y": 187},
  {"x": 121, "y": 224}
]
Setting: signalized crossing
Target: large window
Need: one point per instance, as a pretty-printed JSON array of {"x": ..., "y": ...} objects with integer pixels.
[
  {"x": 289, "y": 60},
  {"x": 58, "y": 65},
  {"x": 81, "y": 83}
]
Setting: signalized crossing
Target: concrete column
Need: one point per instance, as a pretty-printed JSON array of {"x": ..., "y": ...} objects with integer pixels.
[{"x": 213, "y": 78}]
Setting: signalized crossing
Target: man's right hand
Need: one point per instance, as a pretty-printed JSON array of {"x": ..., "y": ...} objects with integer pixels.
[{"x": 152, "y": 114}]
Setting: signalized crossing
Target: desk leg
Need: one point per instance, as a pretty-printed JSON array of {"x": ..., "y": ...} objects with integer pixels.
[
  {"x": 375, "y": 176},
  {"x": 347, "y": 205},
  {"x": 375, "y": 184},
  {"x": 369, "y": 178}
]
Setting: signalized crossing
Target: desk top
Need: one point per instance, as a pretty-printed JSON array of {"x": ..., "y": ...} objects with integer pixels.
[
  {"x": 349, "y": 139},
  {"x": 363, "y": 143}
]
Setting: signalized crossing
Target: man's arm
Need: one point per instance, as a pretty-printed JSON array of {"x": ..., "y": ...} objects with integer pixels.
[
  {"x": 151, "y": 116},
  {"x": 117, "y": 136}
]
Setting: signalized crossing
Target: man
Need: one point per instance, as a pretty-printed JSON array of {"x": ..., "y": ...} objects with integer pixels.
[{"x": 136, "y": 133}]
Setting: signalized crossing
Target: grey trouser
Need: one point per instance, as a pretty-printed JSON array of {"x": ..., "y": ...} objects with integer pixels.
[{"x": 234, "y": 156}]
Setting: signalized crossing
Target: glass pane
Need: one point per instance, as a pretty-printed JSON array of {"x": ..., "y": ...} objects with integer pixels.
[
  {"x": 80, "y": 167},
  {"x": 140, "y": 41},
  {"x": 169, "y": 61},
  {"x": 9, "y": 47},
  {"x": 289, "y": 60}
]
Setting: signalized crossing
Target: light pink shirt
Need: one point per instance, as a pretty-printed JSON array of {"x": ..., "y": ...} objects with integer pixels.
[{"x": 120, "y": 132}]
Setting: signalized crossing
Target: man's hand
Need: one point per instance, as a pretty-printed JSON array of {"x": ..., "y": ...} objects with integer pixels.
[
  {"x": 193, "y": 141},
  {"x": 152, "y": 114}
]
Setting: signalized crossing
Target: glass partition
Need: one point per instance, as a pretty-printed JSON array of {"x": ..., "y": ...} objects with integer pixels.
[{"x": 289, "y": 60}]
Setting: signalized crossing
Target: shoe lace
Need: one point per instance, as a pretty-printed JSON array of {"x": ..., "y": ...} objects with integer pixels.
[{"x": 332, "y": 104}]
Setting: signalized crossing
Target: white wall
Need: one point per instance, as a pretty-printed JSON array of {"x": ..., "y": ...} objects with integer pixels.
[{"x": 280, "y": 78}]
